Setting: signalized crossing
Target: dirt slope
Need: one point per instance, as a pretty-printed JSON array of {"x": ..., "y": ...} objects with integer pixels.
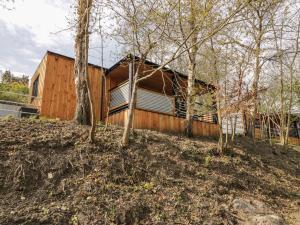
[{"x": 48, "y": 175}]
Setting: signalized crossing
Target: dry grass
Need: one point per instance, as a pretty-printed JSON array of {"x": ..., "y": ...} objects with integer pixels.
[{"x": 49, "y": 175}]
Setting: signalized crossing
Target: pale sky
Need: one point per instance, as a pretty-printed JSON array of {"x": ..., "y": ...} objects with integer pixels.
[{"x": 30, "y": 29}]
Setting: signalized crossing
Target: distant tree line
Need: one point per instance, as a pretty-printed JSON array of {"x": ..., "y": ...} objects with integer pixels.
[
  {"x": 14, "y": 88},
  {"x": 9, "y": 77}
]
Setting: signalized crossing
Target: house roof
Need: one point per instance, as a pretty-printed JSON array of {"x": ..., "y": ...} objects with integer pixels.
[
  {"x": 70, "y": 58},
  {"x": 165, "y": 69},
  {"x": 130, "y": 56}
]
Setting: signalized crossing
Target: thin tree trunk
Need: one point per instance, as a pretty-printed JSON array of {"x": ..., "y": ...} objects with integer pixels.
[
  {"x": 218, "y": 98},
  {"x": 189, "y": 102},
  {"x": 288, "y": 124},
  {"x": 291, "y": 83},
  {"x": 245, "y": 123},
  {"x": 226, "y": 135},
  {"x": 92, "y": 111},
  {"x": 233, "y": 129},
  {"x": 282, "y": 110},
  {"x": 191, "y": 69},
  {"x": 256, "y": 78},
  {"x": 128, "y": 122},
  {"x": 220, "y": 123},
  {"x": 225, "y": 104},
  {"x": 270, "y": 131}
]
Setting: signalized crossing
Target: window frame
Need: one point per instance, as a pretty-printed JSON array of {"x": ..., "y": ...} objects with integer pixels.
[{"x": 35, "y": 87}]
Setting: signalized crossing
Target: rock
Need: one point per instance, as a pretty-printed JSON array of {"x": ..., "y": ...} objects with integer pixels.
[
  {"x": 267, "y": 220},
  {"x": 254, "y": 212},
  {"x": 247, "y": 206},
  {"x": 50, "y": 175}
]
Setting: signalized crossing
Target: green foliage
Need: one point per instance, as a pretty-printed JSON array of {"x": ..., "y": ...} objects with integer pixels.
[
  {"x": 148, "y": 186},
  {"x": 207, "y": 160},
  {"x": 13, "y": 92}
]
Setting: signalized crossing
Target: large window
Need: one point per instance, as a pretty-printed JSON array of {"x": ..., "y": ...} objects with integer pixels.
[{"x": 35, "y": 88}]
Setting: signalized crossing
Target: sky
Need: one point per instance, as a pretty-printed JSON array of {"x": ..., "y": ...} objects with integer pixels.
[{"x": 31, "y": 27}]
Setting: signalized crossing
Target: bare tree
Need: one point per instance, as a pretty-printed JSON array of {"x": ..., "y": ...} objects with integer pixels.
[
  {"x": 148, "y": 24},
  {"x": 286, "y": 39},
  {"x": 84, "y": 106}
]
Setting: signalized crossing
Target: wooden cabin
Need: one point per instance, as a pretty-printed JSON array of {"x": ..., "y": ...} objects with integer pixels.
[
  {"x": 52, "y": 87},
  {"x": 160, "y": 102}
]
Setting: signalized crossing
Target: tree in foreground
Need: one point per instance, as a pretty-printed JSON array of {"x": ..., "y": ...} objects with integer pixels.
[{"x": 84, "y": 106}]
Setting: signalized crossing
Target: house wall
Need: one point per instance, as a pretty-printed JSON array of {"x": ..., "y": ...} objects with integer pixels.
[
  {"x": 40, "y": 72},
  {"x": 162, "y": 122},
  {"x": 239, "y": 123},
  {"x": 57, "y": 87},
  {"x": 12, "y": 110}
]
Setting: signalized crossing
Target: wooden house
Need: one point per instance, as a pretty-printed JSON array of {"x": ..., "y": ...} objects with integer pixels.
[
  {"x": 52, "y": 87},
  {"x": 160, "y": 103}
]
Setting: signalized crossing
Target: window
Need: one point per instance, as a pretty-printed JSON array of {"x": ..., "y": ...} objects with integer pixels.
[{"x": 35, "y": 88}]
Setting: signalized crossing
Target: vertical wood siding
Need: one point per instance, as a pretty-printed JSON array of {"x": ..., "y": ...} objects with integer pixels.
[
  {"x": 58, "y": 88},
  {"x": 291, "y": 140},
  {"x": 163, "y": 123},
  {"x": 40, "y": 74}
]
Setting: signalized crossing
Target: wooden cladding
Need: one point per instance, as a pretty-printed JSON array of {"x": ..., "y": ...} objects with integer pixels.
[
  {"x": 163, "y": 123},
  {"x": 291, "y": 140},
  {"x": 40, "y": 73},
  {"x": 57, "y": 87},
  {"x": 55, "y": 91}
]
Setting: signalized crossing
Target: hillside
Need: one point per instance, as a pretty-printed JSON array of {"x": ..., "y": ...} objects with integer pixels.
[{"x": 49, "y": 175}]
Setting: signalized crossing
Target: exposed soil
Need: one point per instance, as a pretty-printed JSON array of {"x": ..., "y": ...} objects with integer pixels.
[{"x": 49, "y": 175}]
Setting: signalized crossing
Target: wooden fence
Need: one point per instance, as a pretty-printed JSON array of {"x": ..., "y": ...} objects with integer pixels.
[
  {"x": 291, "y": 140},
  {"x": 162, "y": 122}
]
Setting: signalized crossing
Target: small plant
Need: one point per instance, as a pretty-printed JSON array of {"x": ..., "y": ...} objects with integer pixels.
[
  {"x": 207, "y": 160},
  {"x": 74, "y": 220},
  {"x": 45, "y": 211},
  {"x": 148, "y": 186}
]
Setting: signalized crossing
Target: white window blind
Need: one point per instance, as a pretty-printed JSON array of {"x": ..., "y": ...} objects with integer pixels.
[{"x": 156, "y": 102}]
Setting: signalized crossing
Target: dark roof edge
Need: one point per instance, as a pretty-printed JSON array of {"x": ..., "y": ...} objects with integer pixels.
[
  {"x": 165, "y": 69},
  {"x": 70, "y": 58}
]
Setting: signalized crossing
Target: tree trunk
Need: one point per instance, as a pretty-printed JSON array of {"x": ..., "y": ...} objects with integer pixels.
[
  {"x": 220, "y": 123},
  {"x": 227, "y": 133},
  {"x": 191, "y": 69},
  {"x": 128, "y": 122},
  {"x": 245, "y": 123},
  {"x": 189, "y": 101},
  {"x": 282, "y": 102},
  {"x": 92, "y": 112},
  {"x": 288, "y": 124},
  {"x": 233, "y": 126},
  {"x": 270, "y": 131},
  {"x": 83, "y": 108},
  {"x": 256, "y": 78}
]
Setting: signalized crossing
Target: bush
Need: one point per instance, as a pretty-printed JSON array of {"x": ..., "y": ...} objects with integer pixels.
[{"x": 11, "y": 91}]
